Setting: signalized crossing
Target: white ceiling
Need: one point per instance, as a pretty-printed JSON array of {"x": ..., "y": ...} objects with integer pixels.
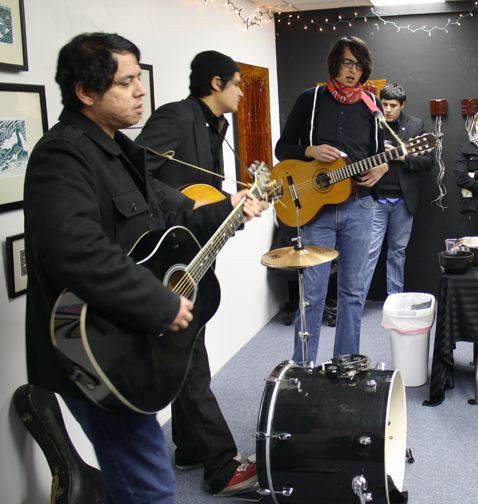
[{"x": 306, "y": 5}]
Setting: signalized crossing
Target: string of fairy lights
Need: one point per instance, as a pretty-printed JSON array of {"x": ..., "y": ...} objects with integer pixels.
[{"x": 260, "y": 16}]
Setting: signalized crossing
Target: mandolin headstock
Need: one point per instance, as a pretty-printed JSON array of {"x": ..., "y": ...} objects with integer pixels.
[{"x": 263, "y": 187}]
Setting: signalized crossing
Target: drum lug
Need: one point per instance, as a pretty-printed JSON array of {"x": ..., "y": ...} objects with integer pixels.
[
  {"x": 286, "y": 491},
  {"x": 370, "y": 385},
  {"x": 359, "y": 486},
  {"x": 365, "y": 440},
  {"x": 283, "y": 436},
  {"x": 295, "y": 382}
]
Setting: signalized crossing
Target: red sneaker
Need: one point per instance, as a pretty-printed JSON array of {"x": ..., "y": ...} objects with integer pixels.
[{"x": 244, "y": 479}]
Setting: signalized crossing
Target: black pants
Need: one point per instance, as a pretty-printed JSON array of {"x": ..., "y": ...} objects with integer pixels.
[{"x": 199, "y": 429}]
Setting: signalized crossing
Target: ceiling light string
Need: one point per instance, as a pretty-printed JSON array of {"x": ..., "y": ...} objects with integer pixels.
[
  {"x": 307, "y": 24},
  {"x": 257, "y": 19},
  {"x": 456, "y": 22}
]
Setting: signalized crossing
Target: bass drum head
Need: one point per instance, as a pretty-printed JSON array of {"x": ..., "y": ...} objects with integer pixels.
[
  {"x": 396, "y": 433},
  {"x": 316, "y": 434}
]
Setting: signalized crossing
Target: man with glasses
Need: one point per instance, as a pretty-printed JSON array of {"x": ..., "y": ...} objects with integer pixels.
[{"x": 327, "y": 123}]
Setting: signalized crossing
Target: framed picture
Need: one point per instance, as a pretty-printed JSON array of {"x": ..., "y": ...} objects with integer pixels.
[
  {"x": 23, "y": 120},
  {"x": 148, "y": 101},
  {"x": 16, "y": 265},
  {"x": 252, "y": 123},
  {"x": 13, "y": 43}
]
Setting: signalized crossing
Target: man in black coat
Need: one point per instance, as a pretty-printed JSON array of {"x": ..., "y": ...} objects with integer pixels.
[
  {"x": 397, "y": 192},
  {"x": 194, "y": 129},
  {"x": 88, "y": 198}
]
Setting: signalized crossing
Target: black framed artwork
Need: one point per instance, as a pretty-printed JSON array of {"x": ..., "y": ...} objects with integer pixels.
[
  {"x": 13, "y": 40},
  {"x": 148, "y": 101},
  {"x": 23, "y": 121},
  {"x": 16, "y": 265}
]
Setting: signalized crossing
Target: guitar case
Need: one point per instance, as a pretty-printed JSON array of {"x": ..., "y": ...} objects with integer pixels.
[{"x": 74, "y": 481}]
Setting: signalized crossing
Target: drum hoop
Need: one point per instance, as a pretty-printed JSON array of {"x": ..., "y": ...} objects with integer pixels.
[
  {"x": 396, "y": 375},
  {"x": 272, "y": 402}
]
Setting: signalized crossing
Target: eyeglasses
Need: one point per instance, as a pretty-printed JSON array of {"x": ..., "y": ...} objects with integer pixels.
[{"x": 351, "y": 63}]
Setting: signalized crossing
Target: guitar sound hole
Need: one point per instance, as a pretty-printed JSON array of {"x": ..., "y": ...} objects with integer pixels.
[
  {"x": 180, "y": 282},
  {"x": 322, "y": 182}
]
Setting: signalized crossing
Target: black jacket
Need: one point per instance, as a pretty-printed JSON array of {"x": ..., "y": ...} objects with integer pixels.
[
  {"x": 88, "y": 198},
  {"x": 467, "y": 162},
  {"x": 180, "y": 126},
  {"x": 408, "y": 170}
]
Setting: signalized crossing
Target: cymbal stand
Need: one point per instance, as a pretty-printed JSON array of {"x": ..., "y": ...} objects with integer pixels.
[{"x": 304, "y": 335}]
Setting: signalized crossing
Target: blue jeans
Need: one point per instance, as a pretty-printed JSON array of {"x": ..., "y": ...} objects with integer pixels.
[
  {"x": 396, "y": 221},
  {"x": 131, "y": 452},
  {"x": 346, "y": 227}
]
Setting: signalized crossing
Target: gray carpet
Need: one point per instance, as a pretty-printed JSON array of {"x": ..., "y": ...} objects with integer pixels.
[{"x": 443, "y": 439}]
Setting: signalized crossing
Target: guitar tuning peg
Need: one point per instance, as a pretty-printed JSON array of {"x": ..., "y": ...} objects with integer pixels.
[{"x": 253, "y": 167}]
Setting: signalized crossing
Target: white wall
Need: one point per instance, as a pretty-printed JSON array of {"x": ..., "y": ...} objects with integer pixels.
[{"x": 169, "y": 33}]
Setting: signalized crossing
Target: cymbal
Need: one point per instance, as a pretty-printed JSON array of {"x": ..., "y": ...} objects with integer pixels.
[{"x": 291, "y": 258}]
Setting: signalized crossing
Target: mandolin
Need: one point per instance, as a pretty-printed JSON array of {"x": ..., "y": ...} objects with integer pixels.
[
  {"x": 121, "y": 368},
  {"x": 202, "y": 194},
  {"x": 315, "y": 184}
]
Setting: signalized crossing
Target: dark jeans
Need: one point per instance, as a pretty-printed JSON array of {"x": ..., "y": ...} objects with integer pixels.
[
  {"x": 199, "y": 429},
  {"x": 131, "y": 452}
]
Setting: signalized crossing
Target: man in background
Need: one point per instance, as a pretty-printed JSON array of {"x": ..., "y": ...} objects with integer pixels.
[
  {"x": 194, "y": 129},
  {"x": 398, "y": 192}
]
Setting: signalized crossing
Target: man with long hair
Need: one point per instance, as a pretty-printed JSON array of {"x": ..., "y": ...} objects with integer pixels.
[{"x": 327, "y": 123}]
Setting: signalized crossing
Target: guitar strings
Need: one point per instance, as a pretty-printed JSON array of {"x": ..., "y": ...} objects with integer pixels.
[
  {"x": 209, "y": 252},
  {"x": 196, "y": 269},
  {"x": 170, "y": 156},
  {"x": 344, "y": 172}
]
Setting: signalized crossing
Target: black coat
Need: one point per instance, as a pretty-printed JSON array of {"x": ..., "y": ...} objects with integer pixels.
[
  {"x": 88, "y": 198},
  {"x": 181, "y": 127},
  {"x": 465, "y": 164},
  {"x": 408, "y": 170}
]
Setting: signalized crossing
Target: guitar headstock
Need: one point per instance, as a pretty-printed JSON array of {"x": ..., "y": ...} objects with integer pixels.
[
  {"x": 263, "y": 185},
  {"x": 422, "y": 144}
]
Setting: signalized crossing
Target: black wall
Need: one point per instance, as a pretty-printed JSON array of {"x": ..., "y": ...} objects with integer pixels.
[{"x": 443, "y": 65}]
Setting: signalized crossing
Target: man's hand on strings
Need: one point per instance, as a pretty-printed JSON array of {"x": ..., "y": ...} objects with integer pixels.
[
  {"x": 252, "y": 206},
  {"x": 325, "y": 153},
  {"x": 184, "y": 315}
]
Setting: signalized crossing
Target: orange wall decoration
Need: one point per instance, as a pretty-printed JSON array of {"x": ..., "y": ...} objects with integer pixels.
[{"x": 253, "y": 120}]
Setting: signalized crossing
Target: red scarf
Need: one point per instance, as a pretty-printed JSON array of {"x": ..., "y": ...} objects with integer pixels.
[{"x": 343, "y": 94}]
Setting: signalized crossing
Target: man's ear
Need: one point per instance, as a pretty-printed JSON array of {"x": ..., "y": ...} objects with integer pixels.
[
  {"x": 216, "y": 83},
  {"x": 84, "y": 95}
]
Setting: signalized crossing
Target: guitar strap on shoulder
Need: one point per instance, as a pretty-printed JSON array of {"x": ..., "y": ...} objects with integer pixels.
[
  {"x": 381, "y": 119},
  {"x": 370, "y": 104}
]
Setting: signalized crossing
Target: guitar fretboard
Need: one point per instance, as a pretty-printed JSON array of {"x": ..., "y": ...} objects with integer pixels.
[
  {"x": 353, "y": 169},
  {"x": 207, "y": 255}
]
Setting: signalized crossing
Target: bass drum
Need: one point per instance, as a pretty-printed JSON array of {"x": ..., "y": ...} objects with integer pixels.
[{"x": 325, "y": 439}]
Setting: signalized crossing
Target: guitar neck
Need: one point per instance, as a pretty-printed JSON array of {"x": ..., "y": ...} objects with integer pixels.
[
  {"x": 359, "y": 167},
  {"x": 207, "y": 255}
]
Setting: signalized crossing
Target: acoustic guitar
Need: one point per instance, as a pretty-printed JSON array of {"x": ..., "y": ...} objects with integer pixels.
[
  {"x": 122, "y": 368},
  {"x": 315, "y": 184}
]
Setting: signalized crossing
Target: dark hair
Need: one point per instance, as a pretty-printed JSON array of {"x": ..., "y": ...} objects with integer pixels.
[
  {"x": 393, "y": 92},
  {"x": 89, "y": 58},
  {"x": 358, "y": 48},
  {"x": 206, "y": 89}
]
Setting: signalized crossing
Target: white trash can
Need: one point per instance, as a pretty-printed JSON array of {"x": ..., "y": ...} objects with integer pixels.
[{"x": 409, "y": 317}]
